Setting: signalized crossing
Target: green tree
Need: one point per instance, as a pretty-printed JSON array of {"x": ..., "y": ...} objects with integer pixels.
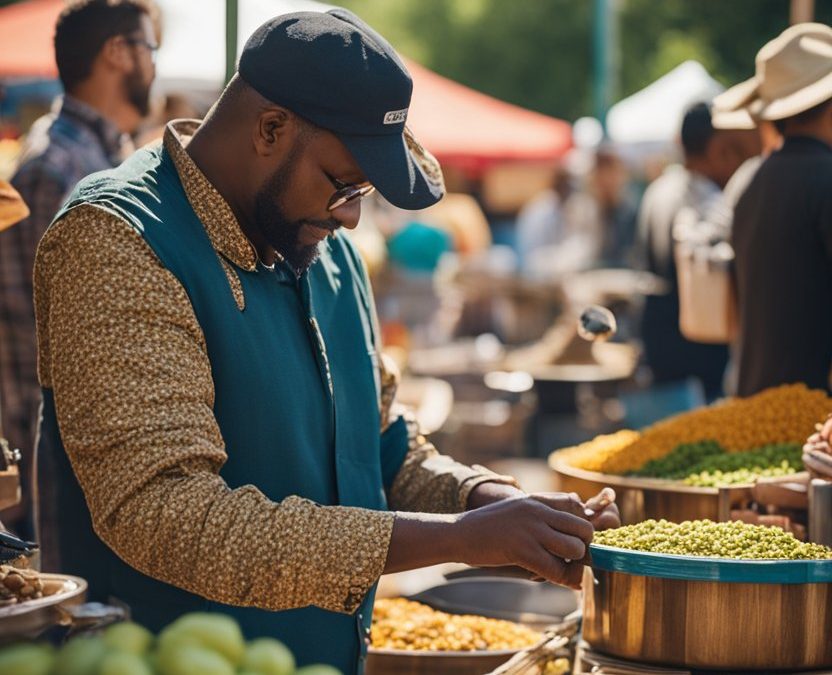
[{"x": 537, "y": 53}]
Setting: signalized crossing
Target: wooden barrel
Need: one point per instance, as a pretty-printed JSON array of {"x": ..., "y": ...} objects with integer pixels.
[{"x": 709, "y": 613}]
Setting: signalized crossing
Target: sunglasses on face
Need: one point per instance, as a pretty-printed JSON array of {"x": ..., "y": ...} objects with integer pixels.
[{"x": 346, "y": 193}]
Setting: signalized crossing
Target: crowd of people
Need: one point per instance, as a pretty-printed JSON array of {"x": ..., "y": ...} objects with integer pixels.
[{"x": 189, "y": 339}]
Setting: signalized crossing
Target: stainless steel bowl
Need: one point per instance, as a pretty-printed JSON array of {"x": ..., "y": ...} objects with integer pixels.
[
  {"x": 27, "y": 620},
  {"x": 536, "y": 605},
  {"x": 533, "y": 604}
]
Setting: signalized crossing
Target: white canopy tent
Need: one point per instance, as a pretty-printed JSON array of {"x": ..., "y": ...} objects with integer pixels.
[{"x": 652, "y": 117}]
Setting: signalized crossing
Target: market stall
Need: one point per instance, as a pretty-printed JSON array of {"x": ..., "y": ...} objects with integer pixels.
[{"x": 701, "y": 464}]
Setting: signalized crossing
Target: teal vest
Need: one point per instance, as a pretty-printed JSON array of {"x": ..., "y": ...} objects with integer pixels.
[{"x": 295, "y": 378}]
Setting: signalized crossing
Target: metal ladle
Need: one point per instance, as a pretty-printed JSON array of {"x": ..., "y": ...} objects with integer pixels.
[{"x": 597, "y": 324}]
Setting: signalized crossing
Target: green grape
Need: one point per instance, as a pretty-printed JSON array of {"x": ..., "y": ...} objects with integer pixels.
[
  {"x": 26, "y": 659},
  {"x": 128, "y": 637},
  {"x": 80, "y": 656},
  {"x": 216, "y": 632},
  {"x": 267, "y": 656}
]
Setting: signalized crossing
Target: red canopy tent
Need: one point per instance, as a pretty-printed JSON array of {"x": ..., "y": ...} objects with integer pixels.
[
  {"x": 464, "y": 127},
  {"x": 26, "y": 31},
  {"x": 459, "y": 125}
]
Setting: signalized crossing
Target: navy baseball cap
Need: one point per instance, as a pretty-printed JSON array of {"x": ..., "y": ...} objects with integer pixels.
[{"x": 334, "y": 70}]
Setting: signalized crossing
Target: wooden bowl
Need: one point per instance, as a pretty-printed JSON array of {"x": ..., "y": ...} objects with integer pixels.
[
  {"x": 641, "y": 499},
  {"x": 709, "y": 613}
]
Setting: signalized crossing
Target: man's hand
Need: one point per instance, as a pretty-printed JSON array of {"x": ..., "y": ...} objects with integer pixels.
[
  {"x": 817, "y": 453},
  {"x": 525, "y": 531},
  {"x": 600, "y": 510}
]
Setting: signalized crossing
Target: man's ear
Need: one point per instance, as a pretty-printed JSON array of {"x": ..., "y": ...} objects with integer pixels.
[{"x": 274, "y": 131}]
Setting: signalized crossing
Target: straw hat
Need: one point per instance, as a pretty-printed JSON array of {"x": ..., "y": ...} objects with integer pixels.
[
  {"x": 793, "y": 74},
  {"x": 12, "y": 207},
  {"x": 731, "y": 119}
]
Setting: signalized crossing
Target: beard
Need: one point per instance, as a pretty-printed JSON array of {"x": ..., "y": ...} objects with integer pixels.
[
  {"x": 138, "y": 92},
  {"x": 283, "y": 234}
]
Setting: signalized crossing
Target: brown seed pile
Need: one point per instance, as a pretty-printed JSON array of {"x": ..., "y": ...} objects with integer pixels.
[
  {"x": 412, "y": 626},
  {"x": 19, "y": 585},
  {"x": 784, "y": 414}
]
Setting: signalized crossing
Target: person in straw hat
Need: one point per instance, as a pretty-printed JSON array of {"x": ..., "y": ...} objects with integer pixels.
[
  {"x": 711, "y": 157},
  {"x": 782, "y": 230}
]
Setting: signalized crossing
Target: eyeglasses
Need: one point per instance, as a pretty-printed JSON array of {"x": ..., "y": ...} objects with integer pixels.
[
  {"x": 346, "y": 193},
  {"x": 141, "y": 42}
]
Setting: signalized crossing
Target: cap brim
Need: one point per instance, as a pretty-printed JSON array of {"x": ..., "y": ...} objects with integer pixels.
[
  {"x": 395, "y": 171},
  {"x": 738, "y": 96},
  {"x": 793, "y": 104}
]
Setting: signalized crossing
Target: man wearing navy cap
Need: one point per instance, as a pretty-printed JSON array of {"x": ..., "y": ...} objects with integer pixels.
[{"x": 213, "y": 392}]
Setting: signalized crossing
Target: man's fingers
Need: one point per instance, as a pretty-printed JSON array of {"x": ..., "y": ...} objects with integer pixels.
[
  {"x": 607, "y": 519},
  {"x": 543, "y": 564},
  {"x": 820, "y": 446},
  {"x": 560, "y": 544},
  {"x": 601, "y": 500},
  {"x": 571, "y": 525},
  {"x": 561, "y": 501},
  {"x": 574, "y": 575},
  {"x": 818, "y": 462},
  {"x": 826, "y": 429}
]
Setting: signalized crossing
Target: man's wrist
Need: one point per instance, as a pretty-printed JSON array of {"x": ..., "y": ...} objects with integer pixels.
[{"x": 489, "y": 492}]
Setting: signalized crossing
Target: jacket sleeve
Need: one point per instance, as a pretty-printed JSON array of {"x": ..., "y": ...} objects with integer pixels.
[{"x": 124, "y": 354}]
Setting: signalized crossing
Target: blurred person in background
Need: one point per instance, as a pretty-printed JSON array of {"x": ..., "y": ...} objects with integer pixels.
[
  {"x": 782, "y": 229},
  {"x": 172, "y": 107},
  {"x": 12, "y": 207},
  {"x": 606, "y": 210},
  {"x": 711, "y": 158},
  {"x": 104, "y": 53},
  {"x": 540, "y": 223},
  {"x": 565, "y": 229},
  {"x": 721, "y": 213}
]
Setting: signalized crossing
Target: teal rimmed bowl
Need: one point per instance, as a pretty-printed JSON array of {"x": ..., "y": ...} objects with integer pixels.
[
  {"x": 699, "y": 568},
  {"x": 709, "y": 613}
]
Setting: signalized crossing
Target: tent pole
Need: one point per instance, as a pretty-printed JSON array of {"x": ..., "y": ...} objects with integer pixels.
[
  {"x": 230, "y": 39},
  {"x": 604, "y": 57},
  {"x": 801, "y": 11}
]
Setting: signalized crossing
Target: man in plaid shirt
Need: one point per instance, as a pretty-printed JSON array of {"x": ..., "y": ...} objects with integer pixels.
[{"x": 104, "y": 53}]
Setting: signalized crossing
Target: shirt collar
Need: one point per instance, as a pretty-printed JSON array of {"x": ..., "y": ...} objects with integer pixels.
[
  {"x": 791, "y": 142},
  {"x": 210, "y": 207},
  {"x": 117, "y": 145}
]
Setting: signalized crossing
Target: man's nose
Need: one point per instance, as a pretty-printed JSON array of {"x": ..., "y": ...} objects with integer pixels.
[{"x": 348, "y": 214}]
